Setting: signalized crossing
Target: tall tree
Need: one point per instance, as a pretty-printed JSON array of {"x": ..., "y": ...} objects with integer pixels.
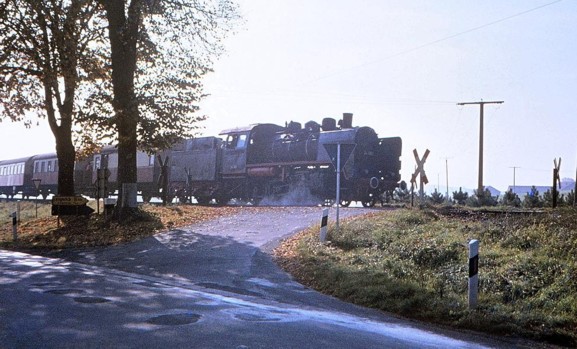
[
  {"x": 45, "y": 57},
  {"x": 159, "y": 51}
]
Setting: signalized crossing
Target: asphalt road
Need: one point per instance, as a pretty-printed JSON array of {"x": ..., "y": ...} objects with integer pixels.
[{"x": 211, "y": 285}]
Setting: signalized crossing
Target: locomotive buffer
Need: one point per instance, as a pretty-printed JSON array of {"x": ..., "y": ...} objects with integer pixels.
[{"x": 339, "y": 154}]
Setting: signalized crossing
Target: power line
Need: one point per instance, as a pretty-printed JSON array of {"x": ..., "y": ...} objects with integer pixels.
[{"x": 433, "y": 42}]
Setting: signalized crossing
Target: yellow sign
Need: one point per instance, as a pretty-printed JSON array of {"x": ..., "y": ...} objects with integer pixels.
[{"x": 69, "y": 200}]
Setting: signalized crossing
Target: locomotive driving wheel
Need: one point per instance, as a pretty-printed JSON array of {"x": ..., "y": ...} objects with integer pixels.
[
  {"x": 370, "y": 202},
  {"x": 345, "y": 203},
  {"x": 203, "y": 200}
]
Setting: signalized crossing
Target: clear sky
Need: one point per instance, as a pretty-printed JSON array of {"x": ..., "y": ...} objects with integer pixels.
[{"x": 401, "y": 67}]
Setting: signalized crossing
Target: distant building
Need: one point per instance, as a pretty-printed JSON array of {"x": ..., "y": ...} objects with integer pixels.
[
  {"x": 523, "y": 190},
  {"x": 567, "y": 184},
  {"x": 493, "y": 191}
]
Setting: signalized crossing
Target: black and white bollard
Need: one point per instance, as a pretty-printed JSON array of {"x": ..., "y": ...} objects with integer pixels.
[
  {"x": 324, "y": 223},
  {"x": 14, "y": 227},
  {"x": 473, "y": 273}
]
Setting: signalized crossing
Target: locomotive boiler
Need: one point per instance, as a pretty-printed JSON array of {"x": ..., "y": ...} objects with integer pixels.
[{"x": 271, "y": 162}]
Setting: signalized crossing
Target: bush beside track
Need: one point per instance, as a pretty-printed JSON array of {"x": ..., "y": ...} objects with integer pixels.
[{"x": 414, "y": 263}]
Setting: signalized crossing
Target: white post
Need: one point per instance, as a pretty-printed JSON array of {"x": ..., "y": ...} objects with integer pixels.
[
  {"x": 473, "y": 273},
  {"x": 324, "y": 222}
]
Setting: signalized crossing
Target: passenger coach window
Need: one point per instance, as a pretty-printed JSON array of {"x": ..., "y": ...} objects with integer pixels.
[{"x": 49, "y": 169}]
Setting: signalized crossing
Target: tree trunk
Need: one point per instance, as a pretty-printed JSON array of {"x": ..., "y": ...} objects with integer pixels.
[
  {"x": 123, "y": 30},
  {"x": 63, "y": 136}
]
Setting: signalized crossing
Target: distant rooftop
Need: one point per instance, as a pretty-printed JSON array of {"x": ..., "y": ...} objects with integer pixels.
[{"x": 567, "y": 184}]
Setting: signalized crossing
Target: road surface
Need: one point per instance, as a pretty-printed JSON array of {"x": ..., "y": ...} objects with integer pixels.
[{"x": 211, "y": 285}]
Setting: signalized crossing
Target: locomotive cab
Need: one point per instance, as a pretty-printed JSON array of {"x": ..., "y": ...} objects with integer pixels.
[
  {"x": 247, "y": 146},
  {"x": 234, "y": 153}
]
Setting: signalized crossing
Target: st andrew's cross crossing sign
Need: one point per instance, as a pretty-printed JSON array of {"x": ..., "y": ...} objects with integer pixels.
[
  {"x": 420, "y": 167},
  {"x": 420, "y": 171}
]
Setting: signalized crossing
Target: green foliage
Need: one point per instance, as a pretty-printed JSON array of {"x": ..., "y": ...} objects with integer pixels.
[
  {"x": 511, "y": 199},
  {"x": 460, "y": 197},
  {"x": 436, "y": 198},
  {"x": 414, "y": 263},
  {"x": 533, "y": 199},
  {"x": 480, "y": 199},
  {"x": 570, "y": 198},
  {"x": 402, "y": 195},
  {"x": 548, "y": 198}
]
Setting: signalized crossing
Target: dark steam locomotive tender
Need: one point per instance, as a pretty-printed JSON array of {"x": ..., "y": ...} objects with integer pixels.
[{"x": 271, "y": 162}]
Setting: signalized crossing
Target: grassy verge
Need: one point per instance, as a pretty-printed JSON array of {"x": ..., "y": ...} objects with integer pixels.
[{"x": 415, "y": 263}]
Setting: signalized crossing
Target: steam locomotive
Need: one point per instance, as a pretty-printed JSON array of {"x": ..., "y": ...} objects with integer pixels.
[{"x": 260, "y": 163}]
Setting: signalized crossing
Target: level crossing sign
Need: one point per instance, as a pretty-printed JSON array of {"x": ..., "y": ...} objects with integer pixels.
[{"x": 420, "y": 170}]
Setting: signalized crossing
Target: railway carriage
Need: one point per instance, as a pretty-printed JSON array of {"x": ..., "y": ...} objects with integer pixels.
[{"x": 16, "y": 176}]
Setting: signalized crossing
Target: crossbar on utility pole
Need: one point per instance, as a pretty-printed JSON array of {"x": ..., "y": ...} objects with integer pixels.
[{"x": 480, "y": 187}]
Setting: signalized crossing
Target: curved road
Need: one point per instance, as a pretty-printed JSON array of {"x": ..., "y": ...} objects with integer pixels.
[{"x": 211, "y": 285}]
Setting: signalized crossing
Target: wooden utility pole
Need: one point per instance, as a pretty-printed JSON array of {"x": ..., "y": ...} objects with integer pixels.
[
  {"x": 480, "y": 187},
  {"x": 514, "y": 176}
]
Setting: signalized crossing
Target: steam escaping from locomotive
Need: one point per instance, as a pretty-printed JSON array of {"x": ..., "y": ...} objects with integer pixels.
[{"x": 299, "y": 195}]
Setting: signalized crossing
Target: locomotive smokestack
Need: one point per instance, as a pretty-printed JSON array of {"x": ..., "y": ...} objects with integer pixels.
[{"x": 347, "y": 120}]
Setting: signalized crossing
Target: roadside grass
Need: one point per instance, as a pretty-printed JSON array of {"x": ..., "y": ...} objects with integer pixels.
[{"x": 414, "y": 263}]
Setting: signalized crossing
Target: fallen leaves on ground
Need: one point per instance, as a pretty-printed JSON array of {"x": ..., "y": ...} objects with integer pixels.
[{"x": 97, "y": 230}]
